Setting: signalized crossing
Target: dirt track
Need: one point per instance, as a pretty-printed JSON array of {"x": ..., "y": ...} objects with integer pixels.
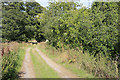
[
  {"x": 28, "y": 69},
  {"x": 63, "y": 72}
]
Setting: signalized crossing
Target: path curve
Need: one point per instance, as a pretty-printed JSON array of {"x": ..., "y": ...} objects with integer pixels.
[{"x": 63, "y": 72}]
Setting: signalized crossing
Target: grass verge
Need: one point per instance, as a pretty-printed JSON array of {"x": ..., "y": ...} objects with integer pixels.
[
  {"x": 12, "y": 58},
  {"x": 54, "y": 55},
  {"x": 21, "y": 55},
  {"x": 82, "y": 64}
]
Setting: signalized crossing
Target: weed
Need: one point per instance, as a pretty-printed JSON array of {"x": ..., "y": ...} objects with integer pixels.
[{"x": 102, "y": 68}]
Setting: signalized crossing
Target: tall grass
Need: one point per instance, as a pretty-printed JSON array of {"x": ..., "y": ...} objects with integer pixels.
[
  {"x": 102, "y": 68},
  {"x": 11, "y": 56}
]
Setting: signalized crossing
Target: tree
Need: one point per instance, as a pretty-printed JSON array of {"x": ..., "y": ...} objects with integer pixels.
[
  {"x": 14, "y": 21},
  {"x": 50, "y": 21},
  {"x": 19, "y": 20}
]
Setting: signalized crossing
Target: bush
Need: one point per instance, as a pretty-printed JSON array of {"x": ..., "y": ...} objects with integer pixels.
[{"x": 10, "y": 60}]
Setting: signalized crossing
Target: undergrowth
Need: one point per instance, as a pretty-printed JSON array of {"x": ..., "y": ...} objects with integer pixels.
[
  {"x": 12, "y": 57},
  {"x": 102, "y": 68}
]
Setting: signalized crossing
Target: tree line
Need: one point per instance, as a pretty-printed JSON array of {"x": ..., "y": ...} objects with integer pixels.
[
  {"x": 96, "y": 29},
  {"x": 19, "y": 21}
]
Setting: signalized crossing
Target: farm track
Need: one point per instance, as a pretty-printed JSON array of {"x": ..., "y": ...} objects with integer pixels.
[
  {"x": 28, "y": 69},
  {"x": 63, "y": 72}
]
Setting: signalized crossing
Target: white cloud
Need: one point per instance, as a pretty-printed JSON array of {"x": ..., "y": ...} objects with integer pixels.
[{"x": 45, "y": 3}]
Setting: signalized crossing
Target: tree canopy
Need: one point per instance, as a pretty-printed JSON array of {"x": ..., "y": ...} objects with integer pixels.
[
  {"x": 96, "y": 28},
  {"x": 19, "y": 20}
]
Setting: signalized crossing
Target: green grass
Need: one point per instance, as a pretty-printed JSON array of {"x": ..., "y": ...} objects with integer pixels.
[
  {"x": 47, "y": 52},
  {"x": 21, "y": 55},
  {"x": 42, "y": 69},
  {"x": 84, "y": 65},
  {"x": 79, "y": 72},
  {"x": 72, "y": 67}
]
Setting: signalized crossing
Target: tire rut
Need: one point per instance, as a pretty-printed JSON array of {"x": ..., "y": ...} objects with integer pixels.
[
  {"x": 63, "y": 72},
  {"x": 27, "y": 68}
]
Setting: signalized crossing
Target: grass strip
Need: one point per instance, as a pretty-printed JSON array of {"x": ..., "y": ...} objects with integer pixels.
[
  {"x": 42, "y": 69},
  {"x": 21, "y": 56}
]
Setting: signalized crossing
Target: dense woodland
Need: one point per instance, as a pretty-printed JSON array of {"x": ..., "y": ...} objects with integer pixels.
[{"x": 95, "y": 29}]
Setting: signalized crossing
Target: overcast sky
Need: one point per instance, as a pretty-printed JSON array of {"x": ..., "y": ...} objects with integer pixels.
[{"x": 44, "y": 3}]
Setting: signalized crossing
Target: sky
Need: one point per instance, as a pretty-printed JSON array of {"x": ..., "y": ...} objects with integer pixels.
[{"x": 44, "y": 3}]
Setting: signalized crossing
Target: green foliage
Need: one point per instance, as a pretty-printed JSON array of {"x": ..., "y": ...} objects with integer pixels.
[
  {"x": 105, "y": 31},
  {"x": 96, "y": 28},
  {"x": 12, "y": 58},
  {"x": 19, "y": 20}
]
